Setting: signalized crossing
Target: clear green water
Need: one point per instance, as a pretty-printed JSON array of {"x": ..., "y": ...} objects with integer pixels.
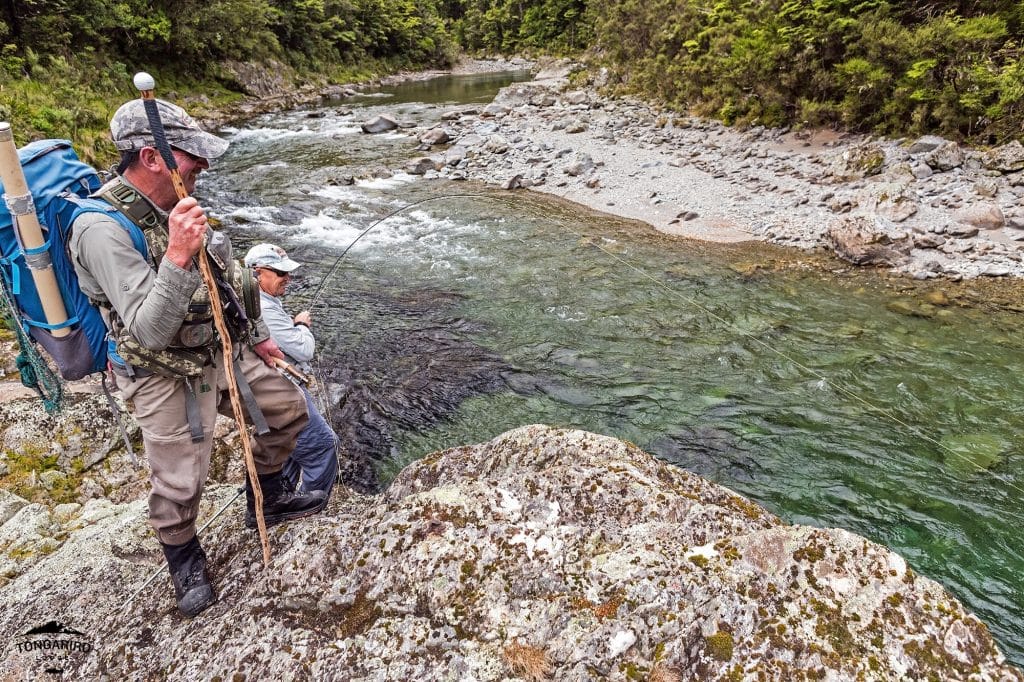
[{"x": 839, "y": 400}]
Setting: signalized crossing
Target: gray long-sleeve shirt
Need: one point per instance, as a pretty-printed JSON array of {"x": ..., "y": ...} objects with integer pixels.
[
  {"x": 295, "y": 340},
  {"x": 152, "y": 304}
]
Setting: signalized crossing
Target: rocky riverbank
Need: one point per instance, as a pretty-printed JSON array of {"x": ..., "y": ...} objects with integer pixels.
[
  {"x": 543, "y": 554},
  {"x": 926, "y": 208}
]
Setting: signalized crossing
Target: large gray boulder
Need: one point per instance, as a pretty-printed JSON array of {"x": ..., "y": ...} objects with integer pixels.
[
  {"x": 543, "y": 554},
  {"x": 1008, "y": 158},
  {"x": 379, "y": 124},
  {"x": 865, "y": 241}
]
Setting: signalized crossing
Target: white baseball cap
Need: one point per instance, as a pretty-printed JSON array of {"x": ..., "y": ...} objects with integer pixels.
[{"x": 270, "y": 256}]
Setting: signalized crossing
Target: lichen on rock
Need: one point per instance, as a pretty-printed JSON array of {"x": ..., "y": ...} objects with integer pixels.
[{"x": 542, "y": 554}]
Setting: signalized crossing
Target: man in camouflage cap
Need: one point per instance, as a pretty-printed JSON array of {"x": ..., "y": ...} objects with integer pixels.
[{"x": 168, "y": 362}]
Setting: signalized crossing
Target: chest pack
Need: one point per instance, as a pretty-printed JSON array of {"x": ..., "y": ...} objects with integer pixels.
[{"x": 60, "y": 185}]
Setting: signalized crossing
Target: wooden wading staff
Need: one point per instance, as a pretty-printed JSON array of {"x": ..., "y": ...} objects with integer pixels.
[
  {"x": 145, "y": 83},
  {"x": 30, "y": 234}
]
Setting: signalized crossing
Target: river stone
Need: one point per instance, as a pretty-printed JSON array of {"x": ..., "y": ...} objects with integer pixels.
[
  {"x": 859, "y": 161},
  {"x": 569, "y": 554},
  {"x": 893, "y": 201},
  {"x": 454, "y": 155},
  {"x": 986, "y": 187},
  {"x": 962, "y": 230},
  {"x": 496, "y": 144},
  {"x": 863, "y": 241},
  {"x": 495, "y": 109},
  {"x": 543, "y": 99},
  {"x": 580, "y": 165},
  {"x": 1006, "y": 159},
  {"x": 984, "y": 216},
  {"x": 929, "y": 240},
  {"x": 925, "y": 144},
  {"x": 945, "y": 157},
  {"x": 10, "y": 504},
  {"x": 575, "y": 97},
  {"x": 379, "y": 124},
  {"x": 435, "y": 136}
]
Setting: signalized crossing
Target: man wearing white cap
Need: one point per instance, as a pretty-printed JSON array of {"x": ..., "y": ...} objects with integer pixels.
[{"x": 313, "y": 465}]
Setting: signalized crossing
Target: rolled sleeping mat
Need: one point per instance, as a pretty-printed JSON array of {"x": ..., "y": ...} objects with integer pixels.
[{"x": 30, "y": 234}]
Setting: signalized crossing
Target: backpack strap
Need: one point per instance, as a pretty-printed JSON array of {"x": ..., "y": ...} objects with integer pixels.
[{"x": 91, "y": 205}]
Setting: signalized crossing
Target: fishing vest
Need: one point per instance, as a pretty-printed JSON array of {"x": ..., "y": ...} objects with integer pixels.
[{"x": 196, "y": 342}]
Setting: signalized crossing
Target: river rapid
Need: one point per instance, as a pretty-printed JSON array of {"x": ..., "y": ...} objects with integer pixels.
[{"x": 834, "y": 397}]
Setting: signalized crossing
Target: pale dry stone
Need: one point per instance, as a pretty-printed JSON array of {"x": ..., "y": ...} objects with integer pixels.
[
  {"x": 925, "y": 144},
  {"x": 984, "y": 216},
  {"x": 859, "y": 161},
  {"x": 945, "y": 157},
  {"x": 10, "y": 504},
  {"x": 435, "y": 136},
  {"x": 864, "y": 241},
  {"x": 1007, "y": 158},
  {"x": 424, "y": 164}
]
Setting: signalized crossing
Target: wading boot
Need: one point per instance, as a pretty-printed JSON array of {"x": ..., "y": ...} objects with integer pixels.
[
  {"x": 279, "y": 503},
  {"x": 187, "y": 564}
]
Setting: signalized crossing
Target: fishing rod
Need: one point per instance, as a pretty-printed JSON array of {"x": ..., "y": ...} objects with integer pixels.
[
  {"x": 375, "y": 223},
  {"x": 673, "y": 293}
]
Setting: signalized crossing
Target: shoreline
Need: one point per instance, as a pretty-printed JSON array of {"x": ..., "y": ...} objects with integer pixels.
[{"x": 872, "y": 202}]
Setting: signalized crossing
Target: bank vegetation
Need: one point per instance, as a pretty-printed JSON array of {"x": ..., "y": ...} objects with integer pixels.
[{"x": 951, "y": 68}]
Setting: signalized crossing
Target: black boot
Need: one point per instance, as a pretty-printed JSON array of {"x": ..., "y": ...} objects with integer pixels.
[
  {"x": 279, "y": 503},
  {"x": 187, "y": 564}
]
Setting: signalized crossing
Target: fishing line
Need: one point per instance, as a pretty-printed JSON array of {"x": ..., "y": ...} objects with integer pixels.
[
  {"x": 696, "y": 304},
  {"x": 320, "y": 386},
  {"x": 375, "y": 223}
]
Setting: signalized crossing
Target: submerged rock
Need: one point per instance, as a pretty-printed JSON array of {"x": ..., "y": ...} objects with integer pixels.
[{"x": 545, "y": 553}]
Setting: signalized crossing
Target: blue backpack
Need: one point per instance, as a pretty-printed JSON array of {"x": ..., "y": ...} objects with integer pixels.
[{"x": 60, "y": 185}]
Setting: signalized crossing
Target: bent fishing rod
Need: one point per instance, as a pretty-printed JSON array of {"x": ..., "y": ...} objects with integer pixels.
[{"x": 849, "y": 393}]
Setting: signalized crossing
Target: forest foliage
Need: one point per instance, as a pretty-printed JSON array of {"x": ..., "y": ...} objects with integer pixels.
[{"x": 952, "y": 68}]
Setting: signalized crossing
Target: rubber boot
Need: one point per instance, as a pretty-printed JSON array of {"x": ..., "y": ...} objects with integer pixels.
[
  {"x": 187, "y": 564},
  {"x": 279, "y": 503}
]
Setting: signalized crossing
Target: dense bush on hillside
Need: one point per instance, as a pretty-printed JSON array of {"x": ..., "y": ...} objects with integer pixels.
[
  {"x": 66, "y": 64},
  {"x": 950, "y": 67}
]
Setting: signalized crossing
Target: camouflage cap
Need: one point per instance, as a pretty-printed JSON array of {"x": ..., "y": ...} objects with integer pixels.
[{"x": 130, "y": 129}]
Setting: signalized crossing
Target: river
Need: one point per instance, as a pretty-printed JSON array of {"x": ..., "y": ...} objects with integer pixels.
[{"x": 833, "y": 397}]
